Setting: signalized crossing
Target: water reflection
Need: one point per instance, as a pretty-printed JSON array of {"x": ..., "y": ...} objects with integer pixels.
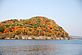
[
  {"x": 40, "y": 47},
  {"x": 28, "y": 50}
]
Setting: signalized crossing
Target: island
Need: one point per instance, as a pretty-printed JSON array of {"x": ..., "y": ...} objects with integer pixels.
[{"x": 35, "y": 28}]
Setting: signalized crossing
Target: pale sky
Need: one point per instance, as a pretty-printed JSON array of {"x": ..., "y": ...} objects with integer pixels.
[{"x": 66, "y": 13}]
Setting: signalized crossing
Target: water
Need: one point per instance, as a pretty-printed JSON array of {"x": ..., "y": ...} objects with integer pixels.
[{"x": 40, "y": 47}]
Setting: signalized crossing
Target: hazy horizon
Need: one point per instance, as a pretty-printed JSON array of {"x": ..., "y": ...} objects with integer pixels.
[{"x": 66, "y": 13}]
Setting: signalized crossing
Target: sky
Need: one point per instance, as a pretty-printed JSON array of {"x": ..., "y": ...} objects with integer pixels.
[{"x": 66, "y": 13}]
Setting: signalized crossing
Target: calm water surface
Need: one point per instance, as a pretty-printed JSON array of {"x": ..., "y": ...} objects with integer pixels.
[{"x": 40, "y": 47}]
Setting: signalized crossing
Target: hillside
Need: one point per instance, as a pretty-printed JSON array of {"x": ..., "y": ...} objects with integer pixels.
[{"x": 34, "y": 28}]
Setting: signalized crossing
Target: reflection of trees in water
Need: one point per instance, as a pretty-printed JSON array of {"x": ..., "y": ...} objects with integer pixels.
[
  {"x": 28, "y": 50},
  {"x": 41, "y": 49}
]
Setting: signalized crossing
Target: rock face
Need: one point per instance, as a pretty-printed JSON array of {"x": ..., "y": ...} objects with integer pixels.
[{"x": 34, "y": 28}]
